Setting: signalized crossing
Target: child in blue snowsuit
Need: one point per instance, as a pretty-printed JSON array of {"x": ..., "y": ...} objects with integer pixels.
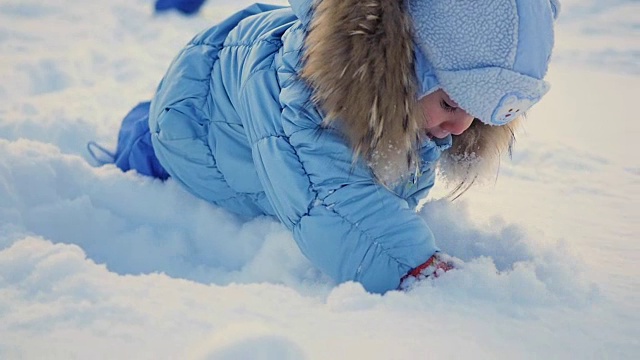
[{"x": 333, "y": 116}]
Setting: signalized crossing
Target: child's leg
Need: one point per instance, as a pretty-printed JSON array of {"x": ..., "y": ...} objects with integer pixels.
[{"x": 134, "y": 149}]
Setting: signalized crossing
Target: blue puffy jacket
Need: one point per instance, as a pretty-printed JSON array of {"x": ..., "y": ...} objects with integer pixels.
[{"x": 233, "y": 122}]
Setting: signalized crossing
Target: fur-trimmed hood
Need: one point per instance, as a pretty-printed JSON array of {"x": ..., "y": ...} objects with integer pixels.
[
  {"x": 361, "y": 63},
  {"x": 359, "y": 60}
]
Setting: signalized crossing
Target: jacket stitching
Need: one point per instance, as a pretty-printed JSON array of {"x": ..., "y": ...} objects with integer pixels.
[{"x": 373, "y": 240}]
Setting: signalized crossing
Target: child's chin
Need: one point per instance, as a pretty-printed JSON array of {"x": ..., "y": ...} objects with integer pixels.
[{"x": 432, "y": 136}]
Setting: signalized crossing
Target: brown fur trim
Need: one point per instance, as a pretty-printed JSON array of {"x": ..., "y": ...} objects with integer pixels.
[{"x": 359, "y": 60}]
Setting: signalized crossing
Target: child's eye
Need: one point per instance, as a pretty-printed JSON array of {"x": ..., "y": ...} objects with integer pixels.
[{"x": 446, "y": 106}]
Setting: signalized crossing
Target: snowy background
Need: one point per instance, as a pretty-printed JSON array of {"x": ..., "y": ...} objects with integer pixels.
[{"x": 95, "y": 263}]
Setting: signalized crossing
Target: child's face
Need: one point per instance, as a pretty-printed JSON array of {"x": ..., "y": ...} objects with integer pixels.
[{"x": 443, "y": 116}]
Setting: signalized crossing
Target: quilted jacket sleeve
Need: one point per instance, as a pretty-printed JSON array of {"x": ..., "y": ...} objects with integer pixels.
[
  {"x": 302, "y": 9},
  {"x": 342, "y": 219}
]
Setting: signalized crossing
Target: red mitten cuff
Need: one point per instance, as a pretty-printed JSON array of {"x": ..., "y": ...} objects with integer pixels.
[{"x": 435, "y": 266}]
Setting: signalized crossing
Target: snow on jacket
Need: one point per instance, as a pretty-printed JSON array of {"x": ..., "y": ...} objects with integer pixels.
[{"x": 237, "y": 125}]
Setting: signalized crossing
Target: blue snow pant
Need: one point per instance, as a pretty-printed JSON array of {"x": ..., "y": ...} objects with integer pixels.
[
  {"x": 185, "y": 6},
  {"x": 134, "y": 150}
]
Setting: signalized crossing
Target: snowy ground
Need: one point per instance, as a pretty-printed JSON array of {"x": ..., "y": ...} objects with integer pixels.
[{"x": 95, "y": 263}]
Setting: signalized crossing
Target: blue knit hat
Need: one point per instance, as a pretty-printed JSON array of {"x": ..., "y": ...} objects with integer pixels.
[{"x": 490, "y": 57}]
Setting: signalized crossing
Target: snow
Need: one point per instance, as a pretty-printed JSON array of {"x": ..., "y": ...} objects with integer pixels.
[{"x": 95, "y": 263}]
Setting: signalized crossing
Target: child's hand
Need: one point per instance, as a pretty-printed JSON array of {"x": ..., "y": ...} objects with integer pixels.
[{"x": 435, "y": 266}]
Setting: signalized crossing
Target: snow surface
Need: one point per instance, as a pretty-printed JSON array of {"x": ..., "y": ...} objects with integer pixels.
[{"x": 95, "y": 263}]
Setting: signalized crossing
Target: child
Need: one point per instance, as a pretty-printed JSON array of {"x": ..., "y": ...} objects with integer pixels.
[{"x": 333, "y": 116}]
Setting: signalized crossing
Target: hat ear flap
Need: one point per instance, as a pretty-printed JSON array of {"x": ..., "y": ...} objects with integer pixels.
[{"x": 555, "y": 8}]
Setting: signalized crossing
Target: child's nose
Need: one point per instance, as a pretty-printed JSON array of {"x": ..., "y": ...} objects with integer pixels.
[{"x": 458, "y": 125}]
